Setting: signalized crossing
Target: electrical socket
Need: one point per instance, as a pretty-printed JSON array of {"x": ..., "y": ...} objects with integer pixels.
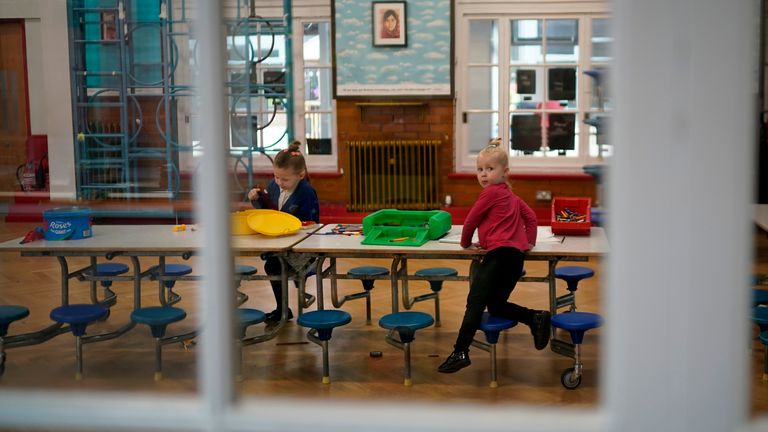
[{"x": 543, "y": 195}]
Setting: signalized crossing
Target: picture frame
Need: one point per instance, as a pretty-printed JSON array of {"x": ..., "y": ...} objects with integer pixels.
[{"x": 389, "y": 23}]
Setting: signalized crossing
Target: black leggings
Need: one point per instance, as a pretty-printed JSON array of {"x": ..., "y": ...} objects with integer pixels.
[{"x": 493, "y": 282}]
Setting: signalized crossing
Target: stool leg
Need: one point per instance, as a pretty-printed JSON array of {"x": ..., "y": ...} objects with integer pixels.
[
  {"x": 368, "y": 308},
  {"x": 2, "y": 355},
  {"x": 765, "y": 365},
  {"x": 326, "y": 369},
  {"x": 494, "y": 382},
  {"x": 158, "y": 360},
  {"x": 407, "y": 353},
  {"x": 437, "y": 309},
  {"x": 78, "y": 358}
]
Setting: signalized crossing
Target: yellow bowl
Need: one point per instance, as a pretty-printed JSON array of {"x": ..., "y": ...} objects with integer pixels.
[
  {"x": 240, "y": 224},
  {"x": 273, "y": 222}
]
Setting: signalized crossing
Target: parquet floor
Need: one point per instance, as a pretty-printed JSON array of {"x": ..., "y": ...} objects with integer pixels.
[{"x": 288, "y": 365}]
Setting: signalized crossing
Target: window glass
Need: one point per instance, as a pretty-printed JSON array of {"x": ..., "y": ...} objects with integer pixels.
[
  {"x": 562, "y": 41},
  {"x": 483, "y": 90},
  {"x": 526, "y": 45},
  {"x": 483, "y": 40},
  {"x": 482, "y": 128}
]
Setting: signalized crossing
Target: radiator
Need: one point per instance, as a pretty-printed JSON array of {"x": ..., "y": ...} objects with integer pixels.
[{"x": 399, "y": 174}]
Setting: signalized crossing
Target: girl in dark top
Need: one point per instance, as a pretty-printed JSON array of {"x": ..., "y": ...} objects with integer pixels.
[
  {"x": 289, "y": 191},
  {"x": 506, "y": 229}
]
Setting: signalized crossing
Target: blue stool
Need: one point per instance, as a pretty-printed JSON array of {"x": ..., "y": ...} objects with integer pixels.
[
  {"x": 242, "y": 271},
  {"x": 760, "y": 317},
  {"x": 759, "y": 297},
  {"x": 78, "y": 316},
  {"x": 405, "y": 324},
  {"x": 108, "y": 270},
  {"x": 158, "y": 318},
  {"x": 576, "y": 323},
  {"x": 492, "y": 326},
  {"x": 321, "y": 324},
  {"x": 367, "y": 275},
  {"x": 8, "y": 314},
  {"x": 435, "y": 285},
  {"x": 571, "y": 275},
  {"x": 170, "y": 271},
  {"x": 764, "y": 340},
  {"x": 246, "y": 317}
]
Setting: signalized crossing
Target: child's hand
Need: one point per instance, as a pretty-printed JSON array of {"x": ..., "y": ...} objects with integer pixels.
[
  {"x": 253, "y": 194},
  {"x": 473, "y": 246}
]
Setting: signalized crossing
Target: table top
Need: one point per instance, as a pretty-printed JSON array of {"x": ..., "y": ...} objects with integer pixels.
[
  {"x": 151, "y": 238},
  {"x": 319, "y": 242},
  {"x": 761, "y": 216}
]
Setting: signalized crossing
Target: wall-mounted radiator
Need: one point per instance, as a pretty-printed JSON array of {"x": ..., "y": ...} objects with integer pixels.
[{"x": 399, "y": 174}]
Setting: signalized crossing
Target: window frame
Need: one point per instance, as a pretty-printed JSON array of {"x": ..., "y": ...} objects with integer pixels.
[{"x": 464, "y": 158}]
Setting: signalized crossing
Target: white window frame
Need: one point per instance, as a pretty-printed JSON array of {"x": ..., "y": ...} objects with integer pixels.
[{"x": 464, "y": 159}]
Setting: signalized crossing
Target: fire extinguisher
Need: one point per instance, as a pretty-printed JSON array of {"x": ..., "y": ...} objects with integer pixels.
[{"x": 33, "y": 175}]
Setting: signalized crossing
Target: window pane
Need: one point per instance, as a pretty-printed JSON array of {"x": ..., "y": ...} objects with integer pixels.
[
  {"x": 601, "y": 40},
  {"x": 318, "y": 125},
  {"x": 482, "y": 127},
  {"x": 599, "y": 95},
  {"x": 317, "y": 89},
  {"x": 483, "y": 42},
  {"x": 317, "y": 43},
  {"x": 562, "y": 85},
  {"x": 526, "y": 42},
  {"x": 525, "y": 132},
  {"x": 526, "y": 88},
  {"x": 483, "y": 88},
  {"x": 562, "y": 41}
]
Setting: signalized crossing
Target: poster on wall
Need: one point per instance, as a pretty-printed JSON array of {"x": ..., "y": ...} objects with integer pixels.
[{"x": 392, "y": 48}]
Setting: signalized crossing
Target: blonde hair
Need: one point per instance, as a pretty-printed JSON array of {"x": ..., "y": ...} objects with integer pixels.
[{"x": 495, "y": 151}]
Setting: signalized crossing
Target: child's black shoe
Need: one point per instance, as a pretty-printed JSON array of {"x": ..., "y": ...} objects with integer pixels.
[
  {"x": 540, "y": 329},
  {"x": 456, "y": 361},
  {"x": 274, "y": 316}
]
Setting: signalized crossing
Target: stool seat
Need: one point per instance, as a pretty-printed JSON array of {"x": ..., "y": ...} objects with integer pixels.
[
  {"x": 577, "y": 321},
  {"x": 759, "y": 297},
  {"x": 437, "y": 272},
  {"x": 174, "y": 269},
  {"x": 491, "y": 323},
  {"x": 78, "y": 313},
  {"x": 367, "y": 271},
  {"x": 111, "y": 269},
  {"x": 324, "y": 319},
  {"x": 158, "y": 315},
  {"x": 245, "y": 270},
  {"x": 572, "y": 274},
  {"x": 11, "y": 313},
  {"x": 760, "y": 316},
  {"x": 247, "y": 317},
  {"x": 764, "y": 337},
  {"x": 411, "y": 320}
]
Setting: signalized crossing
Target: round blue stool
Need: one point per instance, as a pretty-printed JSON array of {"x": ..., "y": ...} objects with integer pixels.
[
  {"x": 78, "y": 316},
  {"x": 492, "y": 327},
  {"x": 759, "y": 297},
  {"x": 106, "y": 270},
  {"x": 405, "y": 325},
  {"x": 158, "y": 318},
  {"x": 367, "y": 275},
  {"x": 760, "y": 317},
  {"x": 435, "y": 285},
  {"x": 576, "y": 323},
  {"x": 246, "y": 317},
  {"x": 242, "y": 271},
  {"x": 571, "y": 275},
  {"x": 167, "y": 277},
  {"x": 8, "y": 314},
  {"x": 321, "y": 324}
]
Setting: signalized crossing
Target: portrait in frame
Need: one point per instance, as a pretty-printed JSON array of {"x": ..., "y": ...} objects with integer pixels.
[{"x": 388, "y": 24}]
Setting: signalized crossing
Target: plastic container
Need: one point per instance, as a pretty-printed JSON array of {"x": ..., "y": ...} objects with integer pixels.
[
  {"x": 273, "y": 222},
  {"x": 240, "y": 224},
  {"x": 579, "y": 206},
  {"x": 67, "y": 223},
  {"x": 405, "y": 227}
]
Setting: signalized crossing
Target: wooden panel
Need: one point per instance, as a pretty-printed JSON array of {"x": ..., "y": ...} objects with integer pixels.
[{"x": 14, "y": 105}]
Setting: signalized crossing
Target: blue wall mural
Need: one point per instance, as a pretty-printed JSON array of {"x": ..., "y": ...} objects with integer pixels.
[{"x": 423, "y": 67}]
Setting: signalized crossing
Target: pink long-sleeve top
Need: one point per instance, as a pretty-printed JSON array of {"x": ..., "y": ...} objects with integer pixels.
[{"x": 502, "y": 219}]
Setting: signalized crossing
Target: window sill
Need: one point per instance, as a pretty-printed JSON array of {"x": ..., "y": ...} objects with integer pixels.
[{"x": 569, "y": 176}]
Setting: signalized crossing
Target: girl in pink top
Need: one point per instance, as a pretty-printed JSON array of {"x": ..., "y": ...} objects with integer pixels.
[{"x": 506, "y": 229}]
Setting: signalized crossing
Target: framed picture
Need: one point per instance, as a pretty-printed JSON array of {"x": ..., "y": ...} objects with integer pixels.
[{"x": 388, "y": 23}]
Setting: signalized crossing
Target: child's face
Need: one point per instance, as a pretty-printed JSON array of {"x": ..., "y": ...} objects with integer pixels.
[
  {"x": 490, "y": 171},
  {"x": 287, "y": 178}
]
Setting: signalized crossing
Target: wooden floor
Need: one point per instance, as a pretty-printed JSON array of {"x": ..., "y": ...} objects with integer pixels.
[{"x": 290, "y": 366}]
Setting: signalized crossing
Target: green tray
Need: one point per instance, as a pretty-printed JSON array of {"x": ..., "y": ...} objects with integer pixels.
[{"x": 405, "y": 227}]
